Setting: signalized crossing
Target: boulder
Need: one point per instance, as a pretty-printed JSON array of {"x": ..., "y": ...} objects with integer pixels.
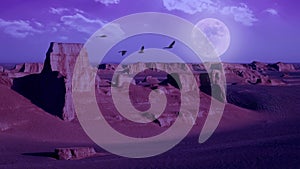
[
  {"x": 74, "y": 153},
  {"x": 165, "y": 121}
]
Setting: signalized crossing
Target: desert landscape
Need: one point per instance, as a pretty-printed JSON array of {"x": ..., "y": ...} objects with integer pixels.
[{"x": 259, "y": 128}]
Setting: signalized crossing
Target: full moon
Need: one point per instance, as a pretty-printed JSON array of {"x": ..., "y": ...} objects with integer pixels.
[{"x": 216, "y": 32}]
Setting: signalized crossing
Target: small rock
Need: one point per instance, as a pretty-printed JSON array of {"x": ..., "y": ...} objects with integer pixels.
[{"x": 165, "y": 121}]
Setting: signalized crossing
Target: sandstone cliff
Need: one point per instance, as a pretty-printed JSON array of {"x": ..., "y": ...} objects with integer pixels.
[{"x": 51, "y": 89}]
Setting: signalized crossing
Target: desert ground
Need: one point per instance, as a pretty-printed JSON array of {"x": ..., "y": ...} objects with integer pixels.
[{"x": 271, "y": 139}]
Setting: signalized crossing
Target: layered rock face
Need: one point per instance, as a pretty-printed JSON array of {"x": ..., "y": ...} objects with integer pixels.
[
  {"x": 283, "y": 67},
  {"x": 33, "y": 67},
  {"x": 27, "y": 68},
  {"x": 61, "y": 58},
  {"x": 24, "y": 69},
  {"x": 244, "y": 74},
  {"x": 51, "y": 89},
  {"x": 7, "y": 75}
]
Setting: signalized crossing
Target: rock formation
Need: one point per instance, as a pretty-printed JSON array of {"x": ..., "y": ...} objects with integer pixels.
[
  {"x": 245, "y": 74},
  {"x": 49, "y": 85},
  {"x": 75, "y": 153},
  {"x": 33, "y": 67},
  {"x": 21, "y": 70},
  {"x": 283, "y": 67},
  {"x": 51, "y": 89},
  {"x": 5, "y": 80}
]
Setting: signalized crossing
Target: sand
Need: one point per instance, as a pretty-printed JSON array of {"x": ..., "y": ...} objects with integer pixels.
[{"x": 245, "y": 138}]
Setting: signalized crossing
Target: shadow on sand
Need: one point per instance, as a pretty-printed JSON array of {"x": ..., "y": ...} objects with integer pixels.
[{"x": 42, "y": 154}]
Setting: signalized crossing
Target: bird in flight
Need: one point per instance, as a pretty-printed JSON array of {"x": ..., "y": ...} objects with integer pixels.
[
  {"x": 142, "y": 49},
  {"x": 170, "y": 46},
  {"x": 102, "y": 36},
  {"x": 123, "y": 52}
]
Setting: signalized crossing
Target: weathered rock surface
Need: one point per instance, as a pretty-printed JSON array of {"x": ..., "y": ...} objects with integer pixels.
[
  {"x": 74, "y": 153},
  {"x": 283, "y": 67},
  {"x": 24, "y": 69},
  {"x": 245, "y": 74},
  {"x": 33, "y": 67},
  {"x": 5, "y": 80},
  {"x": 51, "y": 89}
]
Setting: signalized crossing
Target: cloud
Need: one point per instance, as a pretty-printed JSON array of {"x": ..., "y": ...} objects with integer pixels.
[
  {"x": 39, "y": 24},
  {"x": 18, "y": 28},
  {"x": 191, "y": 6},
  {"x": 58, "y": 11},
  {"x": 63, "y": 38},
  {"x": 108, "y": 2},
  {"x": 271, "y": 11},
  {"x": 75, "y": 19},
  {"x": 241, "y": 13},
  {"x": 82, "y": 23},
  {"x": 79, "y": 11}
]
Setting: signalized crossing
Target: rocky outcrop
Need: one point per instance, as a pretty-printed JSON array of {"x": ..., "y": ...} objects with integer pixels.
[
  {"x": 5, "y": 80},
  {"x": 51, "y": 89},
  {"x": 258, "y": 66},
  {"x": 24, "y": 69},
  {"x": 245, "y": 74},
  {"x": 279, "y": 66},
  {"x": 283, "y": 67},
  {"x": 61, "y": 57},
  {"x": 170, "y": 67},
  {"x": 33, "y": 67},
  {"x": 17, "y": 68}
]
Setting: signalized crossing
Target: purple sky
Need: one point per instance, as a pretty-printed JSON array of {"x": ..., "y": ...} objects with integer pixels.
[{"x": 262, "y": 30}]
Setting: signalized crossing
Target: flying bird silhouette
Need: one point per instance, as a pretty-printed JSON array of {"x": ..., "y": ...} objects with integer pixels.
[
  {"x": 102, "y": 36},
  {"x": 170, "y": 46},
  {"x": 142, "y": 49},
  {"x": 123, "y": 52}
]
